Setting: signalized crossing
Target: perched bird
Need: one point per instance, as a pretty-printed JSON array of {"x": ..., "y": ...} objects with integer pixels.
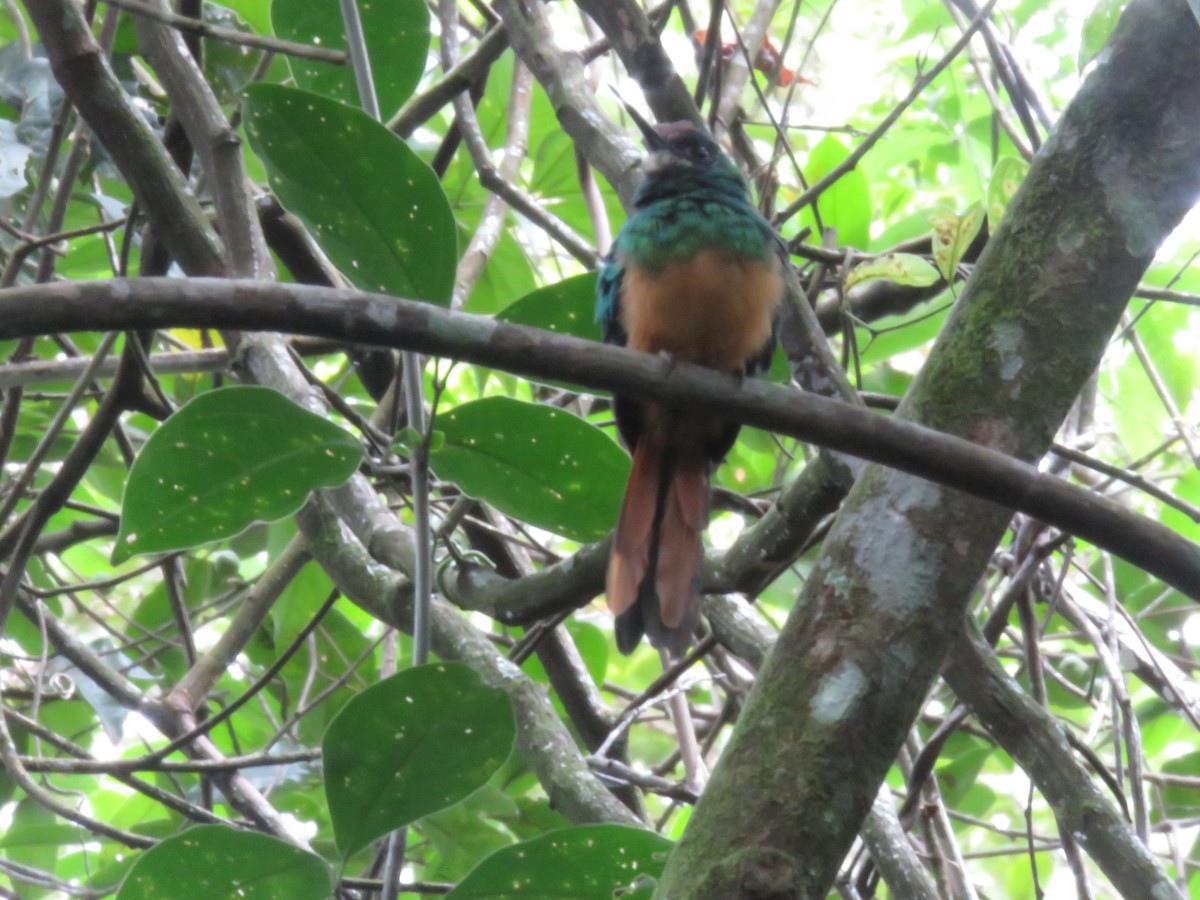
[{"x": 695, "y": 275}]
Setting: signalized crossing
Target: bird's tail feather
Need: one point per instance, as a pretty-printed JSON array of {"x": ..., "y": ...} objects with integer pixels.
[{"x": 658, "y": 549}]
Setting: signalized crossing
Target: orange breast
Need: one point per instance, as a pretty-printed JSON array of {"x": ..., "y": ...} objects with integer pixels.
[{"x": 714, "y": 309}]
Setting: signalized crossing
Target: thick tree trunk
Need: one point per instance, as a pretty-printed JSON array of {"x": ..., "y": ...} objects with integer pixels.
[{"x": 860, "y": 650}]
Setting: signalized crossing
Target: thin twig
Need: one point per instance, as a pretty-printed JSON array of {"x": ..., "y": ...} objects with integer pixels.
[
  {"x": 922, "y": 82},
  {"x": 230, "y": 35}
]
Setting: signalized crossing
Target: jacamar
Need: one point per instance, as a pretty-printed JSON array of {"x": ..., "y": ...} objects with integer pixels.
[{"x": 694, "y": 275}]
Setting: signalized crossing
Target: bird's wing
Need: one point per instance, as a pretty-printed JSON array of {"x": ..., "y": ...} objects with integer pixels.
[
  {"x": 760, "y": 363},
  {"x": 608, "y": 300}
]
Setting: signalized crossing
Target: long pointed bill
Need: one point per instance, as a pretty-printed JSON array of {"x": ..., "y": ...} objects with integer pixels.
[{"x": 653, "y": 139}]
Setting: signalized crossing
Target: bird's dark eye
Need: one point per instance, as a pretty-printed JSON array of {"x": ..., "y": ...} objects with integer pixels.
[{"x": 701, "y": 154}]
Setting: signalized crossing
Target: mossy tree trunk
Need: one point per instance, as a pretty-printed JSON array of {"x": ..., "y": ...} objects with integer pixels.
[{"x": 862, "y": 646}]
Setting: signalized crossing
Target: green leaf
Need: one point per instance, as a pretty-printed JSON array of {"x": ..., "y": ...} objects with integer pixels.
[
  {"x": 565, "y": 307},
  {"x": 1136, "y": 407},
  {"x": 902, "y": 268},
  {"x": 1097, "y": 27},
  {"x": 1186, "y": 487},
  {"x": 894, "y": 335},
  {"x": 397, "y": 36},
  {"x": 952, "y": 235},
  {"x": 1180, "y": 800},
  {"x": 958, "y": 775},
  {"x": 846, "y": 204},
  {"x": 1006, "y": 178},
  {"x": 1162, "y": 330},
  {"x": 585, "y": 863},
  {"x": 228, "y": 458},
  {"x": 507, "y": 274},
  {"x": 36, "y": 838},
  {"x": 555, "y": 170},
  {"x": 930, "y": 19},
  {"x": 375, "y": 208},
  {"x": 216, "y": 861},
  {"x": 592, "y": 644},
  {"x": 539, "y": 464},
  {"x": 467, "y": 832},
  {"x": 256, "y": 12},
  {"x": 227, "y": 67},
  {"x": 418, "y": 742}
]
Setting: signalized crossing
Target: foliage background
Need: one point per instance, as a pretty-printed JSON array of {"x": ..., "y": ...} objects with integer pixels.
[{"x": 480, "y": 201}]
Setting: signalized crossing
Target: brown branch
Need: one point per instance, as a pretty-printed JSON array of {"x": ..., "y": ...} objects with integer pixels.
[
  {"x": 495, "y": 209},
  {"x": 630, "y": 33},
  {"x": 738, "y": 71},
  {"x": 1037, "y": 742},
  {"x": 469, "y": 71},
  {"x": 47, "y": 371},
  {"x": 216, "y": 143},
  {"x": 378, "y": 319},
  {"x": 270, "y": 44},
  {"x": 561, "y": 74}
]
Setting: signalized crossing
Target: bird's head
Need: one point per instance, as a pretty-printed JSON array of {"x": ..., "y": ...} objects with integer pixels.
[{"x": 681, "y": 152}]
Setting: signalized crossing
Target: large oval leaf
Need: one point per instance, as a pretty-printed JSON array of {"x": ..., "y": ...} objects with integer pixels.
[
  {"x": 226, "y": 459},
  {"x": 565, "y": 307},
  {"x": 397, "y": 35},
  {"x": 539, "y": 464},
  {"x": 586, "y": 863},
  {"x": 372, "y": 204},
  {"x": 845, "y": 204},
  {"x": 418, "y": 742},
  {"x": 216, "y": 861}
]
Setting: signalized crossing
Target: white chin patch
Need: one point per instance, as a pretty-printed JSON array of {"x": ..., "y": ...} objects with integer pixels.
[{"x": 660, "y": 160}]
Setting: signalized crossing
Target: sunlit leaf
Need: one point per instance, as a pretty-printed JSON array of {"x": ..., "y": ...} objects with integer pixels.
[
  {"x": 952, "y": 235},
  {"x": 216, "y": 861},
  {"x": 541, "y": 464},
  {"x": 418, "y": 742},
  {"x": 1006, "y": 178},
  {"x": 1097, "y": 28},
  {"x": 256, "y": 12},
  {"x": 1164, "y": 331},
  {"x": 1136, "y": 406},
  {"x": 228, "y": 458},
  {"x": 901, "y": 268},
  {"x": 844, "y": 205}
]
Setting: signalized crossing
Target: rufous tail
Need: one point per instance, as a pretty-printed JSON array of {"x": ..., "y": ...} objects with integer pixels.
[{"x": 653, "y": 573}]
